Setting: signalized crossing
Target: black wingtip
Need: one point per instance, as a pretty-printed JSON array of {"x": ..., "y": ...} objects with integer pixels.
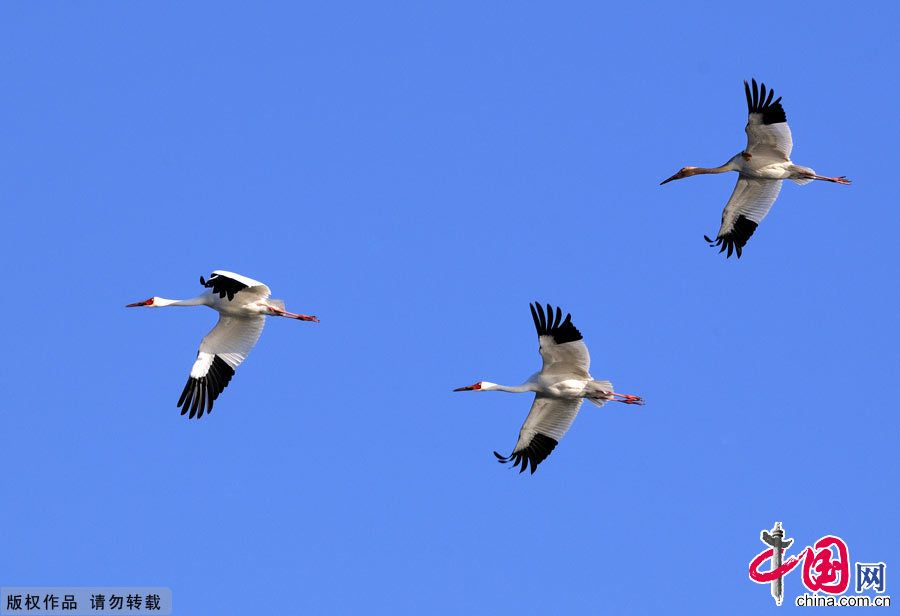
[
  {"x": 199, "y": 393},
  {"x": 551, "y": 323},
  {"x": 760, "y": 101},
  {"x": 223, "y": 286},
  {"x": 735, "y": 240},
  {"x": 531, "y": 456}
]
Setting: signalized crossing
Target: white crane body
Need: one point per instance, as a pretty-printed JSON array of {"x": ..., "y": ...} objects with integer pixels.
[
  {"x": 762, "y": 166},
  {"x": 560, "y": 387},
  {"x": 242, "y": 304}
]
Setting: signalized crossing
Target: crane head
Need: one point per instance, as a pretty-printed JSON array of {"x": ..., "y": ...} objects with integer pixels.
[
  {"x": 682, "y": 173},
  {"x": 146, "y": 302},
  {"x": 475, "y": 387},
  {"x": 479, "y": 386}
]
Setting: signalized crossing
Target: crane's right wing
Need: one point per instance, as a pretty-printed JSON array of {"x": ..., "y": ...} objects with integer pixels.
[
  {"x": 768, "y": 133},
  {"x": 221, "y": 351},
  {"x": 561, "y": 344},
  {"x": 225, "y": 283},
  {"x": 548, "y": 421},
  {"x": 749, "y": 203}
]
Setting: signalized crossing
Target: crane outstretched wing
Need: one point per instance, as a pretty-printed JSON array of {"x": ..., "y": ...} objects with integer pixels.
[
  {"x": 768, "y": 134},
  {"x": 749, "y": 203},
  {"x": 230, "y": 284},
  {"x": 221, "y": 351},
  {"x": 561, "y": 344},
  {"x": 547, "y": 422}
]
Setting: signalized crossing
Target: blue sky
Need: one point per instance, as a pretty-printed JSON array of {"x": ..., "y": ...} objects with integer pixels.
[{"x": 415, "y": 175}]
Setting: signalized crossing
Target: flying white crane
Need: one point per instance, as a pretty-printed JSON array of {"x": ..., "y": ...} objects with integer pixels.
[
  {"x": 763, "y": 164},
  {"x": 560, "y": 387},
  {"x": 243, "y": 304}
]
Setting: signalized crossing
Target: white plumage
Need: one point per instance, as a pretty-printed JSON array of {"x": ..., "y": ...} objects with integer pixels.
[
  {"x": 242, "y": 304},
  {"x": 231, "y": 339},
  {"x": 763, "y": 165},
  {"x": 561, "y": 386}
]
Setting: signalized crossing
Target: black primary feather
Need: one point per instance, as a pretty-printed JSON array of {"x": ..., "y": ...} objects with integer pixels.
[
  {"x": 536, "y": 452},
  {"x": 772, "y": 111},
  {"x": 200, "y": 393},
  {"x": 222, "y": 285},
  {"x": 549, "y": 324},
  {"x": 736, "y": 239}
]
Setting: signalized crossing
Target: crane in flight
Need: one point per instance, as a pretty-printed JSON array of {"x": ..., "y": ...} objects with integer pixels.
[
  {"x": 561, "y": 386},
  {"x": 762, "y": 166},
  {"x": 243, "y": 305}
]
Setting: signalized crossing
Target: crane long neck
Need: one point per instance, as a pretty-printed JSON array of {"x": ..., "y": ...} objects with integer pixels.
[
  {"x": 515, "y": 389},
  {"x": 724, "y": 168},
  {"x": 200, "y": 300}
]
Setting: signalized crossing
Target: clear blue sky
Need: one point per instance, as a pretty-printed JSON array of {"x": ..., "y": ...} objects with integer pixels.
[{"x": 415, "y": 176}]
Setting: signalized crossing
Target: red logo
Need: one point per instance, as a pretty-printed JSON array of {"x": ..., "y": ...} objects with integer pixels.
[
  {"x": 826, "y": 565},
  {"x": 826, "y": 571}
]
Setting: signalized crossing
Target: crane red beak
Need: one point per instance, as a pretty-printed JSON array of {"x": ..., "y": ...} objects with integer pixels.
[
  {"x": 470, "y": 387},
  {"x": 146, "y": 302}
]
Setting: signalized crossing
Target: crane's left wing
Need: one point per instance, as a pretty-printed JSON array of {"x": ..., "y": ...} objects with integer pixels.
[
  {"x": 768, "y": 134},
  {"x": 561, "y": 344},
  {"x": 221, "y": 351},
  {"x": 230, "y": 284},
  {"x": 749, "y": 203},
  {"x": 548, "y": 421}
]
